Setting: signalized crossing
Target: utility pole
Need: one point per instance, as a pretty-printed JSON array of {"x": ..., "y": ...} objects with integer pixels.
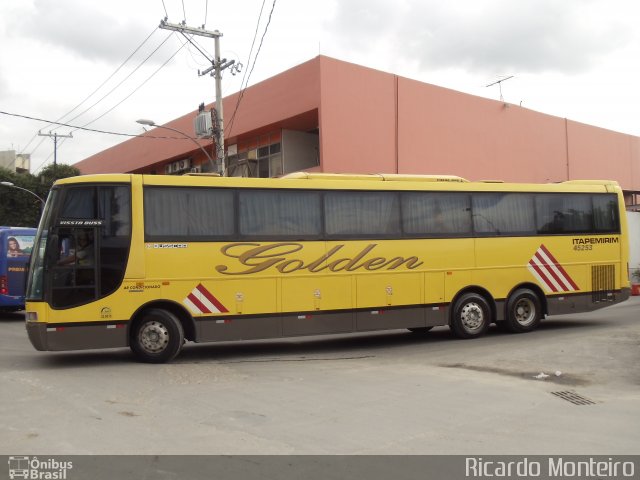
[
  {"x": 55, "y": 137},
  {"x": 217, "y": 67}
]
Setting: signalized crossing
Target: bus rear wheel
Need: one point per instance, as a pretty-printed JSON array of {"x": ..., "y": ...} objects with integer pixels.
[
  {"x": 157, "y": 337},
  {"x": 524, "y": 312},
  {"x": 471, "y": 316}
]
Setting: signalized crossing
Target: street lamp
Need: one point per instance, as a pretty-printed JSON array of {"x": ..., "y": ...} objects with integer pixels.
[
  {"x": 9, "y": 184},
  {"x": 151, "y": 123}
]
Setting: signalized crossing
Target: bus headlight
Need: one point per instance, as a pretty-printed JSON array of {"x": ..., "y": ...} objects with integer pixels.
[{"x": 31, "y": 316}]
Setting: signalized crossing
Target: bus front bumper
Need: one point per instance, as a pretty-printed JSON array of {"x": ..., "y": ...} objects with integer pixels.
[
  {"x": 59, "y": 337},
  {"x": 37, "y": 335}
]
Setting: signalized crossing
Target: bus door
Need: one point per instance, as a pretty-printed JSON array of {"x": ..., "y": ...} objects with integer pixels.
[{"x": 75, "y": 275}]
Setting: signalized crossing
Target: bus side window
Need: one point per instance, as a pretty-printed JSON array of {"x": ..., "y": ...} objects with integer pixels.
[
  {"x": 63, "y": 275},
  {"x": 66, "y": 246}
]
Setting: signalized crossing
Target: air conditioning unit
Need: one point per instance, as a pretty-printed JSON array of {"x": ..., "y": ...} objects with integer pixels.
[
  {"x": 196, "y": 169},
  {"x": 174, "y": 167},
  {"x": 202, "y": 125},
  {"x": 167, "y": 169},
  {"x": 184, "y": 164}
]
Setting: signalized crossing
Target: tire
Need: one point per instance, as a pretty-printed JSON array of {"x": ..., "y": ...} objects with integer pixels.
[
  {"x": 524, "y": 311},
  {"x": 471, "y": 316},
  {"x": 420, "y": 330},
  {"x": 157, "y": 337}
]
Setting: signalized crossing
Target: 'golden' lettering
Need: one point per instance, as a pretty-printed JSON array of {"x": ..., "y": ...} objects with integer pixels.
[{"x": 255, "y": 258}]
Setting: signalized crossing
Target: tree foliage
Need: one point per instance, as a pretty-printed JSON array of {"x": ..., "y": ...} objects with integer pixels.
[{"x": 22, "y": 209}]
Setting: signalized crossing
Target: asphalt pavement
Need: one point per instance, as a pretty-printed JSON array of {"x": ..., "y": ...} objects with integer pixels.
[{"x": 570, "y": 387}]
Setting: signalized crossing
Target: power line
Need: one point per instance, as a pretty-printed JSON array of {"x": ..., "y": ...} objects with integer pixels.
[
  {"x": 83, "y": 127},
  {"x": 93, "y": 130},
  {"x": 244, "y": 76},
  {"x": 253, "y": 42},
  {"x": 89, "y": 96},
  {"x": 197, "y": 61},
  {"x": 55, "y": 137},
  {"x": 122, "y": 81},
  {"x": 115, "y": 71},
  {"x": 241, "y": 94},
  {"x": 92, "y": 93},
  {"x": 192, "y": 42},
  {"x": 218, "y": 65},
  {"x": 118, "y": 85},
  {"x": 138, "y": 87},
  {"x": 53, "y": 122},
  {"x": 37, "y": 146},
  {"x": 266, "y": 28},
  {"x": 200, "y": 48}
]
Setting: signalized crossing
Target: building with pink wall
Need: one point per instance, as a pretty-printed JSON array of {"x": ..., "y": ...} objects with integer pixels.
[{"x": 332, "y": 116}]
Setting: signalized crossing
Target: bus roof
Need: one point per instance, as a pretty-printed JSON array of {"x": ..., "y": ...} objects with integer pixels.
[
  {"x": 383, "y": 177},
  {"x": 323, "y": 181}
]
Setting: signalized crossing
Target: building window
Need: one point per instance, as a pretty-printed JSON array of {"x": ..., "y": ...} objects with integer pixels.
[{"x": 258, "y": 158}]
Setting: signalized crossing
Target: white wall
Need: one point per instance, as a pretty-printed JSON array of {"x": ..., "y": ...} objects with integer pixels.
[
  {"x": 8, "y": 159},
  {"x": 633, "y": 219},
  {"x": 299, "y": 150}
]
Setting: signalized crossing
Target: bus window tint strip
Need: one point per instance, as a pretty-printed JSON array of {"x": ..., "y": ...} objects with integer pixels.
[
  {"x": 436, "y": 214},
  {"x": 79, "y": 203},
  {"x": 576, "y": 213},
  {"x": 207, "y": 214},
  {"x": 362, "y": 213},
  {"x": 503, "y": 214},
  {"x": 188, "y": 213},
  {"x": 287, "y": 214}
]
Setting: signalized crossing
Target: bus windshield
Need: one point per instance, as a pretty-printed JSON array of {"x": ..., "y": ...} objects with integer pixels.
[
  {"x": 82, "y": 245},
  {"x": 35, "y": 287}
]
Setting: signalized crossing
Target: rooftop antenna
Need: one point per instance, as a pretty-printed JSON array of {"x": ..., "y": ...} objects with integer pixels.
[{"x": 499, "y": 82}]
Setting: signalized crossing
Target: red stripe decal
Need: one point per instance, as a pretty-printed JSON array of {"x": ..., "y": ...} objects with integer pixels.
[
  {"x": 550, "y": 271},
  {"x": 562, "y": 270},
  {"x": 201, "y": 306},
  {"x": 543, "y": 275},
  {"x": 211, "y": 298}
]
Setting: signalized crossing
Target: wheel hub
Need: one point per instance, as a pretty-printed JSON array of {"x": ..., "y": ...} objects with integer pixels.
[
  {"x": 472, "y": 316},
  {"x": 525, "y": 311},
  {"x": 154, "y": 337}
]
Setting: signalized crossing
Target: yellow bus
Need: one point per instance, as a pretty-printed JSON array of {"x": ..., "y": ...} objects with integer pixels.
[{"x": 151, "y": 262}]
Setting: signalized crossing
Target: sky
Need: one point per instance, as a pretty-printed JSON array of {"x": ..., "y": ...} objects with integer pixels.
[{"x": 103, "y": 65}]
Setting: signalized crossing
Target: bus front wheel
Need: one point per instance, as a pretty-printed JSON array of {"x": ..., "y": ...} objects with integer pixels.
[
  {"x": 471, "y": 316},
  {"x": 524, "y": 312},
  {"x": 157, "y": 337}
]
